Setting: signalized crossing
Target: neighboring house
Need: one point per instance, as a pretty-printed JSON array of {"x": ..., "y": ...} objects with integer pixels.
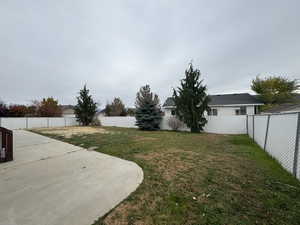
[
  {"x": 224, "y": 105},
  {"x": 292, "y": 106},
  {"x": 130, "y": 112},
  {"x": 67, "y": 110},
  {"x": 283, "y": 108},
  {"x": 100, "y": 113}
]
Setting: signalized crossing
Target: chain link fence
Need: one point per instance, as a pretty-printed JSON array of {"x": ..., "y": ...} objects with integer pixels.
[{"x": 278, "y": 134}]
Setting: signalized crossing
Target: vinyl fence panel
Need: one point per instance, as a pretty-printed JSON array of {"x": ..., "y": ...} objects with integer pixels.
[
  {"x": 118, "y": 121},
  {"x": 260, "y": 123},
  {"x": 277, "y": 134},
  {"x": 36, "y": 122},
  {"x": 71, "y": 121},
  {"x": 281, "y": 139},
  {"x": 226, "y": 124},
  {"x": 250, "y": 126},
  {"x": 13, "y": 123},
  {"x": 56, "y": 122}
]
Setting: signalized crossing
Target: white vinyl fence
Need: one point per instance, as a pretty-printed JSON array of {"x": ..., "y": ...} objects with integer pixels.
[
  {"x": 278, "y": 135},
  {"x": 36, "y": 122},
  {"x": 226, "y": 124},
  {"x": 216, "y": 124},
  {"x": 118, "y": 121}
]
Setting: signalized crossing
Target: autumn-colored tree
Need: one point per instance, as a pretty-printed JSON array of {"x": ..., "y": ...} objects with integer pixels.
[
  {"x": 32, "y": 110},
  {"x": 3, "y": 109},
  {"x": 116, "y": 108},
  {"x": 275, "y": 89},
  {"x": 49, "y": 107},
  {"x": 17, "y": 110}
]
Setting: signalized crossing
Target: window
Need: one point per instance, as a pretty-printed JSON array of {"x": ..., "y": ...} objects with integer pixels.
[
  {"x": 173, "y": 112},
  {"x": 212, "y": 112},
  {"x": 241, "y": 111}
]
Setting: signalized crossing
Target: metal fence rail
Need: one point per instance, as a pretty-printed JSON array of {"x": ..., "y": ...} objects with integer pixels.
[
  {"x": 6, "y": 144},
  {"x": 278, "y": 135}
]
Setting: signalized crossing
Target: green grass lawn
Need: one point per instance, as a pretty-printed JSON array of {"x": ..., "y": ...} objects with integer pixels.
[{"x": 198, "y": 179}]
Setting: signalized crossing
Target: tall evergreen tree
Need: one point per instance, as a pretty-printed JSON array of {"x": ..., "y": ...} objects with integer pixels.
[
  {"x": 191, "y": 100},
  {"x": 148, "y": 112},
  {"x": 86, "y": 108}
]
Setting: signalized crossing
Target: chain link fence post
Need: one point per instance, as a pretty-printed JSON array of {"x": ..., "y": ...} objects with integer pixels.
[
  {"x": 247, "y": 124},
  {"x": 253, "y": 126},
  {"x": 295, "y": 165},
  {"x": 267, "y": 131}
]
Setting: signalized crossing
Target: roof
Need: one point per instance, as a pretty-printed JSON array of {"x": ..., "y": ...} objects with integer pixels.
[
  {"x": 226, "y": 99},
  {"x": 169, "y": 102},
  {"x": 292, "y": 105},
  {"x": 234, "y": 99},
  {"x": 65, "y": 107},
  {"x": 284, "y": 108}
]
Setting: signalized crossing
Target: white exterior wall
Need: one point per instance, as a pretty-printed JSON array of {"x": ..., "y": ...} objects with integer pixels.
[
  {"x": 222, "y": 110},
  {"x": 230, "y": 110},
  {"x": 250, "y": 110},
  {"x": 167, "y": 111}
]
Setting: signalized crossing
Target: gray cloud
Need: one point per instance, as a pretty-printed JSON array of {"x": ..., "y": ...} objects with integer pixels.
[{"x": 52, "y": 48}]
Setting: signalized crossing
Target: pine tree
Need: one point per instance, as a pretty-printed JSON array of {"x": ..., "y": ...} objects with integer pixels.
[
  {"x": 148, "y": 113},
  {"x": 191, "y": 100},
  {"x": 86, "y": 108}
]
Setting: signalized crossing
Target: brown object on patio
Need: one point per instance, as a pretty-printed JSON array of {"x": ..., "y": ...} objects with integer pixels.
[{"x": 6, "y": 145}]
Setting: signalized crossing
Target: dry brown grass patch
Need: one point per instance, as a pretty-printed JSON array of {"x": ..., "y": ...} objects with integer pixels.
[
  {"x": 170, "y": 162},
  {"x": 119, "y": 216},
  {"x": 142, "y": 138},
  {"x": 68, "y": 132}
]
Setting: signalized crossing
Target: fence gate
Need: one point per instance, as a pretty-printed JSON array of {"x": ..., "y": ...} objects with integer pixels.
[{"x": 6, "y": 144}]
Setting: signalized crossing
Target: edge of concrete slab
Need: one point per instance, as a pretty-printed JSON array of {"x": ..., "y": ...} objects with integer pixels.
[{"x": 114, "y": 202}]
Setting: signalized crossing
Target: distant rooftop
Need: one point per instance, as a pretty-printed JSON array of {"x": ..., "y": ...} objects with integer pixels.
[
  {"x": 225, "y": 99},
  {"x": 291, "y": 105}
]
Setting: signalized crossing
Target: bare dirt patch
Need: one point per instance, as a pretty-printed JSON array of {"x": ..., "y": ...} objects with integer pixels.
[{"x": 68, "y": 132}]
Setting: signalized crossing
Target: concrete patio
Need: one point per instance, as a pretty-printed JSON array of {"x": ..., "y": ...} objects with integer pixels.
[{"x": 55, "y": 183}]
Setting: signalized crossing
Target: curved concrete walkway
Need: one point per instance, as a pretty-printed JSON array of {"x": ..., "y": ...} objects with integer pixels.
[{"x": 55, "y": 183}]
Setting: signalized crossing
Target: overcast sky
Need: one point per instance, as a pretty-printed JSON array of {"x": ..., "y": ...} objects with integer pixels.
[{"x": 54, "y": 47}]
